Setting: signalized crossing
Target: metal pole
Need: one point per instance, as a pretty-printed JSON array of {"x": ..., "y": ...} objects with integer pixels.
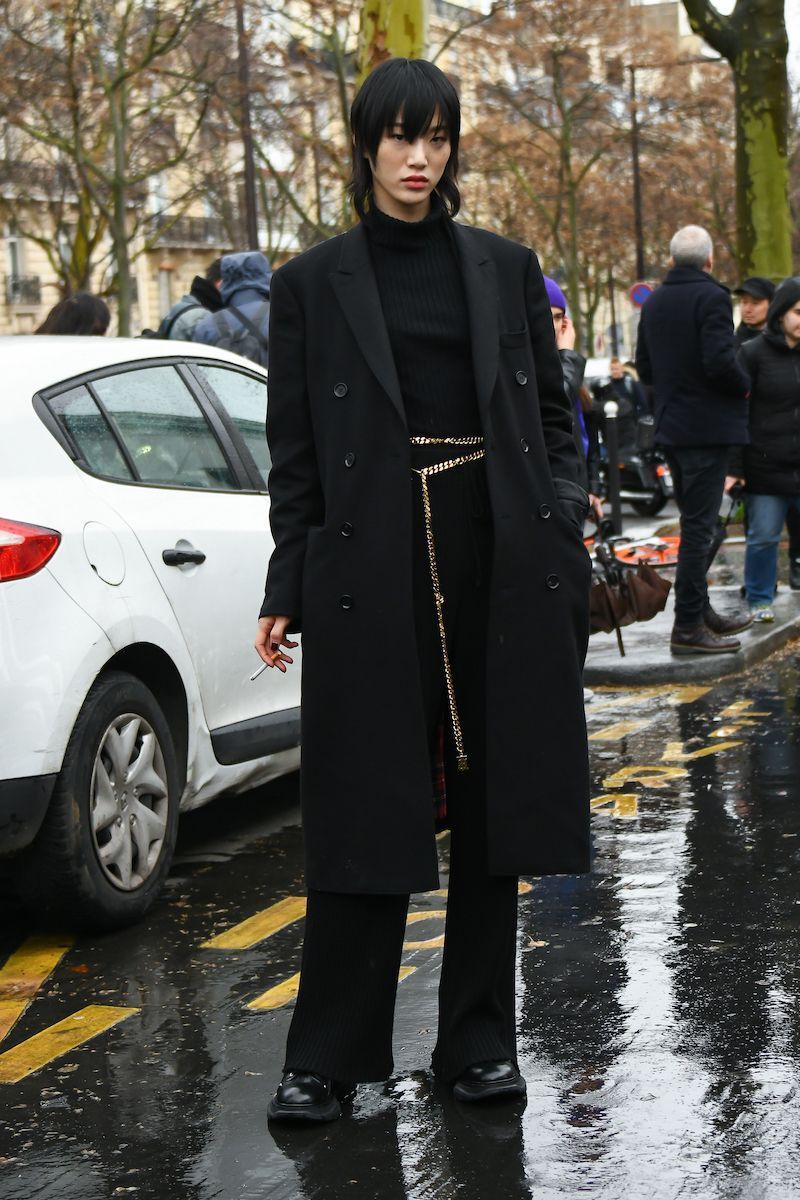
[
  {"x": 614, "y": 337},
  {"x": 637, "y": 181},
  {"x": 611, "y": 438},
  {"x": 250, "y": 202}
]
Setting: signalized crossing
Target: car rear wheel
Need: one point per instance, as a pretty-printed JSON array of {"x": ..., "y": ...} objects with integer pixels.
[{"x": 106, "y": 844}]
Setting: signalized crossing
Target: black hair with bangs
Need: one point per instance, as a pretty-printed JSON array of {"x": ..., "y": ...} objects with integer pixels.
[{"x": 411, "y": 91}]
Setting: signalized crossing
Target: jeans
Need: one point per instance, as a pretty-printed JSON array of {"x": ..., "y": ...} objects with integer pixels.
[
  {"x": 765, "y": 519},
  {"x": 698, "y": 473}
]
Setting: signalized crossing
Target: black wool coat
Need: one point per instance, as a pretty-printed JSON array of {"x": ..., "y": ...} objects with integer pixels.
[
  {"x": 341, "y": 506},
  {"x": 770, "y": 464},
  {"x": 686, "y": 350}
]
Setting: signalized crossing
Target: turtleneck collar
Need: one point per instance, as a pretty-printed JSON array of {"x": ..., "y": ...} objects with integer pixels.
[{"x": 406, "y": 235}]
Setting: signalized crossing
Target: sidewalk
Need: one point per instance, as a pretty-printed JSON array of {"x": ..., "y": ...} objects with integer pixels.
[{"x": 647, "y": 654}]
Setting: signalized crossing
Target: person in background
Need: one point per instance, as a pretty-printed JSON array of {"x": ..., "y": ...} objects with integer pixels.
[
  {"x": 202, "y": 298},
  {"x": 242, "y": 324},
  {"x": 573, "y": 364},
  {"x": 82, "y": 315},
  {"x": 769, "y": 467},
  {"x": 627, "y": 389},
  {"x": 755, "y": 294},
  {"x": 686, "y": 349}
]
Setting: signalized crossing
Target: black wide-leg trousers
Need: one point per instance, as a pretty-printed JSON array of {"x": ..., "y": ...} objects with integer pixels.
[{"x": 342, "y": 1023}]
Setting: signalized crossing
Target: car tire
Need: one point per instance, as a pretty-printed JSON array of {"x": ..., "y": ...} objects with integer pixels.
[{"x": 102, "y": 854}]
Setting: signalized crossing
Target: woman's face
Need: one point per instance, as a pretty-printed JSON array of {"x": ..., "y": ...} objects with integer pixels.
[{"x": 405, "y": 173}]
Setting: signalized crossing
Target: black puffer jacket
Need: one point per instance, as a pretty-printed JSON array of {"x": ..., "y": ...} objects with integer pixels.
[{"x": 770, "y": 465}]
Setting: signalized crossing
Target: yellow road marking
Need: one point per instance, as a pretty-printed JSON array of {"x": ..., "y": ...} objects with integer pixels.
[
  {"x": 625, "y": 805},
  {"x": 59, "y": 1039},
  {"x": 277, "y": 996},
  {"x": 676, "y": 753},
  {"x": 620, "y": 729},
  {"x": 260, "y": 926},
  {"x": 742, "y": 708},
  {"x": 282, "y": 993},
  {"x": 25, "y": 972},
  {"x": 431, "y": 943},
  {"x": 623, "y": 697},
  {"x": 524, "y": 887},
  {"x": 652, "y": 776}
]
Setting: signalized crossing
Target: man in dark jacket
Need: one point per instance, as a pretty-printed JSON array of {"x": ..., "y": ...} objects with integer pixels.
[
  {"x": 769, "y": 466},
  {"x": 686, "y": 350},
  {"x": 202, "y": 298},
  {"x": 755, "y": 294},
  {"x": 242, "y": 324}
]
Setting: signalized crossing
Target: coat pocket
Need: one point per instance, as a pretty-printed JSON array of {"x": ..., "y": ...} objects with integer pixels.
[{"x": 514, "y": 338}]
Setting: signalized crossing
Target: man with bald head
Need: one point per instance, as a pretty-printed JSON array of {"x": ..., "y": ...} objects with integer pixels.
[{"x": 687, "y": 352}]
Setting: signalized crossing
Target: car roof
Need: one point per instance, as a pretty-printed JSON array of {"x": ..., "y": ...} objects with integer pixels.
[{"x": 31, "y": 363}]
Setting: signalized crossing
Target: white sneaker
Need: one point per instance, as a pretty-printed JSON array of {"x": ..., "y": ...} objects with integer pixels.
[{"x": 762, "y": 613}]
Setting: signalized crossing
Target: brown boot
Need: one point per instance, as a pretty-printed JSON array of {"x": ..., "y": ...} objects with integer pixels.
[
  {"x": 724, "y": 626},
  {"x": 700, "y": 640}
]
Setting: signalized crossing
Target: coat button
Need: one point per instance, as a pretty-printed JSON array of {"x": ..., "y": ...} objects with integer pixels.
[
  {"x": 340, "y": 390},
  {"x": 346, "y": 530},
  {"x": 521, "y": 378},
  {"x": 346, "y": 602},
  {"x": 524, "y": 444},
  {"x": 544, "y": 511},
  {"x": 552, "y": 582},
  {"x": 349, "y": 459}
]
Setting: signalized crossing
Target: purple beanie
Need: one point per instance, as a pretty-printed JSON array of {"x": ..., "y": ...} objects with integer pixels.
[{"x": 554, "y": 294}]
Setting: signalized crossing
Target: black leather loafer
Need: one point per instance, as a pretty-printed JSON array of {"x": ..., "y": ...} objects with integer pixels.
[
  {"x": 489, "y": 1081},
  {"x": 304, "y": 1096}
]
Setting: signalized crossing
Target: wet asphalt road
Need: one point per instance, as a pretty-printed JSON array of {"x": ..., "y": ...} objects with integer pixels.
[{"x": 659, "y": 1001}]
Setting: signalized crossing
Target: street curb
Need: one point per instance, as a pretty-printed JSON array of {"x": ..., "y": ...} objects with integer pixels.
[{"x": 638, "y": 668}]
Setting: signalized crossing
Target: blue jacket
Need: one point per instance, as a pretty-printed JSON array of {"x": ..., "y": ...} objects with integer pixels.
[
  {"x": 686, "y": 350},
  {"x": 245, "y": 285}
]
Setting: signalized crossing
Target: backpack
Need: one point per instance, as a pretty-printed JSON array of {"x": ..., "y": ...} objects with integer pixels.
[
  {"x": 167, "y": 322},
  {"x": 246, "y": 338}
]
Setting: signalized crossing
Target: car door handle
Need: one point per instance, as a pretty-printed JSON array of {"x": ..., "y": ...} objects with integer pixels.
[{"x": 178, "y": 558}]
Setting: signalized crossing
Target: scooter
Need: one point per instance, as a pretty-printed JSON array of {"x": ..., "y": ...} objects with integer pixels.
[{"x": 645, "y": 479}]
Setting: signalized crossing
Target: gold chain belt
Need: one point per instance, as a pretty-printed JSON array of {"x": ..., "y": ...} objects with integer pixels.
[{"x": 424, "y": 472}]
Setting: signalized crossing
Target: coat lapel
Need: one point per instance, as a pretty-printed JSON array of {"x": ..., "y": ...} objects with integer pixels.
[
  {"x": 480, "y": 287},
  {"x": 357, "y": 292}
]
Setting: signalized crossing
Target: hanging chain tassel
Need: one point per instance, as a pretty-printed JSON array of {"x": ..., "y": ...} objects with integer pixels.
[{"x": 423, "y": 472}]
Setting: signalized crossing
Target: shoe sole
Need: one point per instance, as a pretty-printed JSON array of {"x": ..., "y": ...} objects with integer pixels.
[
  {"x": 297, "y": 1114},
  {"x": 704, "y": 649},
  {"x": 513, "y": 1089}
]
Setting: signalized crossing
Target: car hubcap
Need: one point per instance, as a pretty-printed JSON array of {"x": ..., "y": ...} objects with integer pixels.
[{"x": 129, "y": 801}]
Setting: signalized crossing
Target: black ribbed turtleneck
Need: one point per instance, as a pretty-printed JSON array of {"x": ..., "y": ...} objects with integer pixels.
[{"x": 422, "y": 297}]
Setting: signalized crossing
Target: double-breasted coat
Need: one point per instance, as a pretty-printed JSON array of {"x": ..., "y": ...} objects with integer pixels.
[{"x": 341, "y": 518}]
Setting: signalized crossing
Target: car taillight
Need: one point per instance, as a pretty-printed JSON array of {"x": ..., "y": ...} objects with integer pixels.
[{"x": 24, "y": 549}]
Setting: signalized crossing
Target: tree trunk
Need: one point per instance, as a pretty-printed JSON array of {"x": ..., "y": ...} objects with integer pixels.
[
  {"x": 754, "y": 41},
  {"x": 391, "y": 28}
]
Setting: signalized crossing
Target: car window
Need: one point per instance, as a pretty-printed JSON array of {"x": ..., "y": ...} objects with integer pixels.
[
  {"x": 245, "y": 399},
  {"x": 78, "y": 413},
  {"x": 164, "y": 430}
]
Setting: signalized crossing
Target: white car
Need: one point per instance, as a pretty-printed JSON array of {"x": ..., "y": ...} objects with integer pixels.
[{"x": 134, "y": 539}]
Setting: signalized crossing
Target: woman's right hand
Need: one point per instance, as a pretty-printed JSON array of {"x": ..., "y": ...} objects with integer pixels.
[{"x": 270, "y": 638}]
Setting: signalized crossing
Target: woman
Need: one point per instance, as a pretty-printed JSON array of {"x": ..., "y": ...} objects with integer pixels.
[
  {"x": 427, "y": 537},
  {"x": 82, "y": 314},
  {"x": 769, "y": 466}
]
